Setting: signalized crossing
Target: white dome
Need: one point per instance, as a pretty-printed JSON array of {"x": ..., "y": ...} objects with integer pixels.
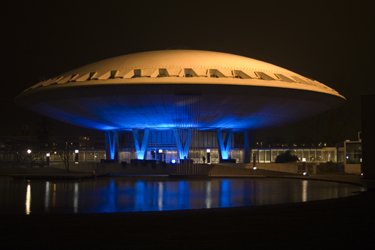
[{"x": 183, "y": 67}]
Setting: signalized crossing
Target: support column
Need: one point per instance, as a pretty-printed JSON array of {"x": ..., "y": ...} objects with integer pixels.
[
  {"x": 140, "y": 145},
  {"x": 111, "y": 145},
  {"x": 183, "y": 145},
  {"x": 246, "y": 147},
  {"x": 224, "y": 143}
]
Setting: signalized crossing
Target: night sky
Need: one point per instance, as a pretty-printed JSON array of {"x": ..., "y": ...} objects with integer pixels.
[{"x": 330, "y": 41}]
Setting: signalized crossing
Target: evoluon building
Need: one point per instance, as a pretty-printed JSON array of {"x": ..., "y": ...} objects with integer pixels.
[{"x": 181, "y": 103}]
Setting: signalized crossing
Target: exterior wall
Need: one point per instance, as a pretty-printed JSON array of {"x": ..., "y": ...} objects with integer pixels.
[
  {"x": 353, "y": 152},
  {"x": 279, "y": 167},
  {"x": 164, "y": 140},
  {"x": 87, "y": 167},
  {"x": 353, "y": 169},
  {"x": 84, "y": 156},
  {"x": 353, "y": 157},
  {"x": 194, "y": 154}
]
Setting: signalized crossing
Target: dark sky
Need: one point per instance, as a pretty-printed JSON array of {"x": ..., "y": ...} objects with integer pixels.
[{"x": 330, "y": 41}]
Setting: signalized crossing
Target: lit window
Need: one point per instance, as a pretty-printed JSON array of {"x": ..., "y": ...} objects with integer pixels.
[
  {"x": 215, "y": 73},
  {"x": 65, "y": 79},
  {"x": 51, "y": 81},
  {"x": 163, "y": 73},
  {"x": 283, "y": 78},
  {"x": 300, "y": 80},
  {"x": 263, "y": 76},
  {"x": 73, "y": 78},
  {"x": 189, "y": 73},
  {"x": 104, "y": 76},
  {"x": 86, "y": 77},
  {"x": 92, "y": 76},
  {"x": 240, "y": 74},
  {"x": 137, "y": 73},
  {"x": 114, "y": 74}
]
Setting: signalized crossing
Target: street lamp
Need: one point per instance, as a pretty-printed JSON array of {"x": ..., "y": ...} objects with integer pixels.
[
  {"x": 47, "y": 158},
  {"x": 208, "y": 151},
  {"x": 76, "y": 156},
  {"x": 304, "y": 167}
]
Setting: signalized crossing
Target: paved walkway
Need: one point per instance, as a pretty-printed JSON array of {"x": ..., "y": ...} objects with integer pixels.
[
  {"x": 43, "y": 173},
  {"x": 58, "y": 173}
]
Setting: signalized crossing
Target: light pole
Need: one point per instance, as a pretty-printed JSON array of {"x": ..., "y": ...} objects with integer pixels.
[
  {"x": 48, "y": 155},
  {"x": 304, "y": 167},
  {"x": 76, "y": 156},
  {"x": 208, "y": 151}
]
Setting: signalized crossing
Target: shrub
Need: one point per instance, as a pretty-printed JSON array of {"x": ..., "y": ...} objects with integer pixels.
[{"x": 287, "y": 156}]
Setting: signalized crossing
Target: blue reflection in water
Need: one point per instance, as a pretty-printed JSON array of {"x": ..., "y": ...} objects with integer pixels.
[
  {"x": 140, "y": 193},
  {"x": 183, "y": 195},
  {"x": 248, "y": 194},
  {"x": 107, "y": 195},
  {"x": 160, "y": 195},
  {"x": 225, "y": 193}
]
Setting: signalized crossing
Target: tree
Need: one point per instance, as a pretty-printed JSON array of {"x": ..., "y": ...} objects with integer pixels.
[
  {"x": 65, "y": 155},
  {"x": 287, "y": 156}
]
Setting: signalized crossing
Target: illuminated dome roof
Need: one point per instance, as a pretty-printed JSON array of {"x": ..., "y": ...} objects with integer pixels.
[
  {"x": 147, "y": 89},
  {"x": 184, "y": 66}
]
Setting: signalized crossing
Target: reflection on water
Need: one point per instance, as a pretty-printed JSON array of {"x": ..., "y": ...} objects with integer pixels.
[
  {"x": 304, "y": 190},
  {"x": 224, "y": 193},
  {"x": 28, "y": 199},
  {"x": 47, "y": 196},
  {"x": 106, "y": 195},
  {"x": 208, "y": 194},
  {"x": 160, "y": 196},
  {"x": 76, "y": 197}
]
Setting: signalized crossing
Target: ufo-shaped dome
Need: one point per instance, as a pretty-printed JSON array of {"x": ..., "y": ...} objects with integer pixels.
[{"x": 175, "y": 88}]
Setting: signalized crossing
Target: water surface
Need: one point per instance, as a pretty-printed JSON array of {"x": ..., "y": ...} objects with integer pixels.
[{"x": 121, "y": 194}]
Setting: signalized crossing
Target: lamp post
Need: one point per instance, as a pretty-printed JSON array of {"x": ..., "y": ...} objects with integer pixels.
[
  {"x": 76, "y": 156},
  {"x": 304, "y": 167},
  {"x": 208, "y": 151},
  {"x": 48, "y": 155},
  {"x": 161, "y": 155}
]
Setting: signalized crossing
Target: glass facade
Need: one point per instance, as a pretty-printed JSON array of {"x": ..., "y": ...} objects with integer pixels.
[
  {"x": 90, "y": 150},
  {"x": 324, "y": 154},
  {"x": 353, "y": 152}
]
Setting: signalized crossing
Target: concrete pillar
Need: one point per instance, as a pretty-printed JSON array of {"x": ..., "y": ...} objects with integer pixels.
[
  {"x": 140, "y": 144},
  {"x": 183, "y": 145},
  {"x": 224, "y": 143},
  {"x": 111, "y": 145}
]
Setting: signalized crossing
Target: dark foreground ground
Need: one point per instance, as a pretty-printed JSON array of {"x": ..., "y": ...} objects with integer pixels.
[{"x": 347, "y": 223}]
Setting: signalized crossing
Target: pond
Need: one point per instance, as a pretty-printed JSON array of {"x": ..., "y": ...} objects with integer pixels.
[{"x": 125, "y": 194}]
